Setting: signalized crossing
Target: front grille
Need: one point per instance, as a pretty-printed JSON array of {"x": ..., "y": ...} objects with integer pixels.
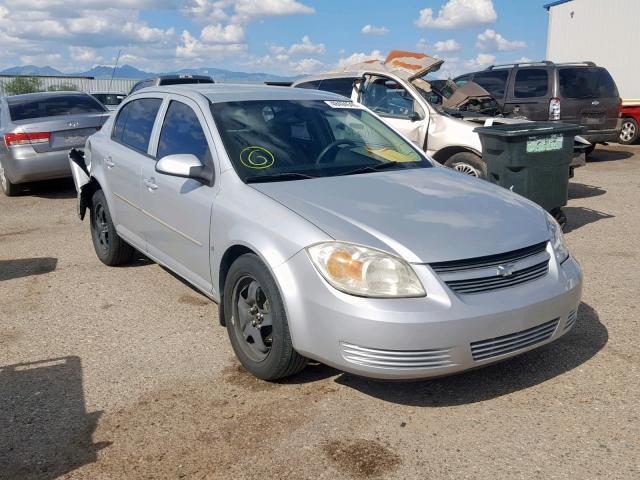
[
  {"x": 486, "y": 284},
  {"x": 494, "y": 347},
  {"x": 481, "y": 274},
  {"x": 402, "y": 359},
  {"x": 571, "y": 320}
]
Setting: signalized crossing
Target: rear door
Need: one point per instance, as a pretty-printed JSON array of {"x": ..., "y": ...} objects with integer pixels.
[
  {"x": 128, "y": 152},
  {"x": 589, "y": 97},
  {"x": 178, "y": 210},
  {"x": 529, "y": 93}
]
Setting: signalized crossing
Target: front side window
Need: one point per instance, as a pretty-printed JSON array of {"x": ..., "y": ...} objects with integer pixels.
[
  {"x": 388, "y": 98},
  {"x": 52, "y": 106},
  {"x": 270, "y": 140},
  {"x": 530, "y": 83},
  {"x": 182, "y": 133},
  {"x": 134, "y": 123},
  {"x": 493, "y": 81},
  {"x": 341, "y": 86}
]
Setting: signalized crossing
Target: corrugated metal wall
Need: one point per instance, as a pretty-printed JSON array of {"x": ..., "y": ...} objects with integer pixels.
[
  {"x": 83, "y": 84},
  {"x": 606, "y": 32}
]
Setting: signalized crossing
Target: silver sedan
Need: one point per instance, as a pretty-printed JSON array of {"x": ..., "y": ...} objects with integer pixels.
[
  {"x": 38, "y": 129},
  {"x": 324, "y": 234}
]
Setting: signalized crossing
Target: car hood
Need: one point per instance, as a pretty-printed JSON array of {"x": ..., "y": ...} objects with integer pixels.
[{"x": 422, "y": 215}]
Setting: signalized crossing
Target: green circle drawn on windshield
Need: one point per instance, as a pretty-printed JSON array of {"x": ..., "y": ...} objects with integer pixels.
[{"x": 256, "y": 157}]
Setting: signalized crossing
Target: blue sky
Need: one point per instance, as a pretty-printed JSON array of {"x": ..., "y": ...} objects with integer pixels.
[{"x": 276, "y": 36}]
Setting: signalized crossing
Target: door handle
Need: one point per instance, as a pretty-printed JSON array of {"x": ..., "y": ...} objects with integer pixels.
[
  {"x": 108, "y": 162},
  {"x": 150, "y": 183}
]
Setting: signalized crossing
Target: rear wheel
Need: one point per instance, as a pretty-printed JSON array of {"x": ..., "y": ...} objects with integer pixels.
[
  {"x": 256, "y": 321},
  {"x": 468, "y": 163},
  {"x": 629, "y": 132},
  {"x": 109, "y": 247},
  {"x": 9, "y": 189}
]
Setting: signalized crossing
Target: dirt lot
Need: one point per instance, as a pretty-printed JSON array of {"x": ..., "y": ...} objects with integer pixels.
[{"x": 124, "y": 372}]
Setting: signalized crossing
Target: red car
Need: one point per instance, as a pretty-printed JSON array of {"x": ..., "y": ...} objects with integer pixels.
[{"x": 630, "y": 113}]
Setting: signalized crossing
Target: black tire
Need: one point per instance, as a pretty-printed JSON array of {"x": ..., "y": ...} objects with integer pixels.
[
  {"x": 589, "y": 150},
  {"x": 468, "y": 163},
  {"x": 109, "y": 247},
  {"x": 8, "y": 188},
  {"x": 271, "y": 355},
  {"x": 629, "y": 133}
]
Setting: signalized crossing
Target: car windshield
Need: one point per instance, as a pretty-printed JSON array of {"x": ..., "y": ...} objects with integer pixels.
[
  {"x": 273, "y": 140},
  {"x": 109, "y": 98},
  {"x": 52, "y": 106}
]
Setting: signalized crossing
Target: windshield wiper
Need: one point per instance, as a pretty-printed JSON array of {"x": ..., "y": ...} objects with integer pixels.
[
  {"x": 278, "y": 177},
  {"x": 371, "y": 168}
]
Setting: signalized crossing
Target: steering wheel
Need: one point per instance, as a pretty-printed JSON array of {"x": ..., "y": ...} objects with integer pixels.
[{"x": 332, "y": 146}]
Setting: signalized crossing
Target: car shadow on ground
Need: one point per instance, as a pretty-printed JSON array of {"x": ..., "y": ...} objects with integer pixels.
[
  {"x": 580, "y": 190},
  {"x": 26, "y": 267},
  {"x": 604, "y": 154},
  {"x": 580, "y": 216},
  {"x": 52, "y": 189},
  {"x": 588, "y": 337},
  {"x": 45, "y": 428}
]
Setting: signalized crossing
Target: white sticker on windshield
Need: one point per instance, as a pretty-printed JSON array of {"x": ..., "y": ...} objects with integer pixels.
[{"x": 341, "y": 104}]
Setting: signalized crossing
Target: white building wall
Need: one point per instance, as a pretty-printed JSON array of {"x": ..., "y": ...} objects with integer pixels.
[
  {"x": 606, "y": 32},
  {"x": 88, "y": 85}
]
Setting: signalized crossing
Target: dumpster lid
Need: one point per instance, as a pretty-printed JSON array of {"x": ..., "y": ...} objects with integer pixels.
[{"x": 530, "y": 128}]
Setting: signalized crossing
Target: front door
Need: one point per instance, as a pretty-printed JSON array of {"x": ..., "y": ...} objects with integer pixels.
[
  {"x": 178, "y": 210},
  {"x": 389, "y": 99}
]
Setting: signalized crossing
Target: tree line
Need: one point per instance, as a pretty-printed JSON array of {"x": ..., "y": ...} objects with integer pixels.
[{"x": 20, "y": 85}]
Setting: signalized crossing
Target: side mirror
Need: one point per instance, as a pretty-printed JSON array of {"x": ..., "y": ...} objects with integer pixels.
[{"x": 185, "y": 165}]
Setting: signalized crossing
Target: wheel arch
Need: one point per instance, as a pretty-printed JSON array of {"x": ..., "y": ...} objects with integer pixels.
[
  {"x": 231, "y": 254},
  {"x": 442, "y": 155},
  {"x": 86, "y": 194}
]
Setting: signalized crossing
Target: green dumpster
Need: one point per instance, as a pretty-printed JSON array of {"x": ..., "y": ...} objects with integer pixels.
[{"x": 531, "y": 159}]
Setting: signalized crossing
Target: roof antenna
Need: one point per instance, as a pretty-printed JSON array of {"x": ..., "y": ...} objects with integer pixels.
[{"x": 114, "y": 71}]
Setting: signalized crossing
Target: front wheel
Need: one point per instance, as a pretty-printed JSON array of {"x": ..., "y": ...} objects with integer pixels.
[
  {"x": 629, "y": 132},
  {"x": 109, "y": 247},
  {"x": 468, "y": 163},
  {"x": 256, "y": 321}
]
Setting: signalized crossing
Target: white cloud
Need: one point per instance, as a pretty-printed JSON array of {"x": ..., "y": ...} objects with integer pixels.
[
  {"x": 492, "y": 41},
  {"x": 447, "y": 46},
  {"x": 243, "y": 11},
  {"x": 283, "y": 65},
  {"x": 481, "y": 61},
  {"x": 85, "y": 55},
  {"x": 307, "y": 47},
  {"x": 523, "y": 60},
  {"x": 458, "y": 14},
  {"x": 422, "y": 45},
  {"x": 223, "y": 35},
  {"x": 360, "y": 57},
  {"x": 373, "y": 30},
  {"x": 197, "y": 49}
]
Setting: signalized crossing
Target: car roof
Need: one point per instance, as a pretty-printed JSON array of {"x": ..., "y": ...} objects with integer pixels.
[{"x": 230, "y": 92}]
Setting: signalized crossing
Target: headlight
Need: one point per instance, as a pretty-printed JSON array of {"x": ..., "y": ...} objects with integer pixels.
[
  {"x": 365, "y": 271},
  {"x": 557, "y": 239}
]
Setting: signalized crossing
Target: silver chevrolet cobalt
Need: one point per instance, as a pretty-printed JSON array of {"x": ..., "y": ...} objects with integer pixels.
[{"x": 324, "y": 234}]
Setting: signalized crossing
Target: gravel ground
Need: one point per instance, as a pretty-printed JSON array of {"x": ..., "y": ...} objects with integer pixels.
[{"x": 124, "y": 373}]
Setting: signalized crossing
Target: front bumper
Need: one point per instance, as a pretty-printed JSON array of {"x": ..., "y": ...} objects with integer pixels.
[
  {"x": 440, "y": 334},
  {"x": 24, "y": 164}
]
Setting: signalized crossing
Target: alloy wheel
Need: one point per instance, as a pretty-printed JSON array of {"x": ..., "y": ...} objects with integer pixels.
[
  {"x": 101, "y": 226},
  {"x": 466, "y": 169},
  {"x": 252, "y": 318},
  {"x": 628, "y": 131},
  {"x": 3, "y": 178}
]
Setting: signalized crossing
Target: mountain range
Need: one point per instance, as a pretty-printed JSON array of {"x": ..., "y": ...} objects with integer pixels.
[{"x": 129, "y": 72}]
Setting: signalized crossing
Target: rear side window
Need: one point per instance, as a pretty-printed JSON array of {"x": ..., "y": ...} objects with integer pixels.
[
  {"x": 586, "y": 83},
  {"x": 52, "y": 106},
  {"x": 310, "y": 85},
  {"x": 134, "y": 123},
  {"x": 493, "y": 81},
  {"x": 531, "y": 82},
  {"x": 182, "y": 133},
  {"x": 341, "y": 86}
]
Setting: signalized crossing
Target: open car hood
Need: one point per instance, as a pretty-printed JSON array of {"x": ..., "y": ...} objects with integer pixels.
[
  {"x": 464, "y": 93},
  {"x": 407, "y": 65}
]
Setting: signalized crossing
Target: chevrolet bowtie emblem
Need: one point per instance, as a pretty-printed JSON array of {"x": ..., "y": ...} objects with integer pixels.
[{"x": 505, "y": 270}]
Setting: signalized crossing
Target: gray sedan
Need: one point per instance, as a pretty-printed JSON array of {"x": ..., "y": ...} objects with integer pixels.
[
  {"x": 38, "y": 129},
  {"x": 324, "y": 234}
]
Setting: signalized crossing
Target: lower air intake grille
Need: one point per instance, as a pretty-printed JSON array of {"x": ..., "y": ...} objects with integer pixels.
[
  {"x": 494, "y": 347},
  {"x": 407, "y": 359},
  {"x": 571, "y": 320}
]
